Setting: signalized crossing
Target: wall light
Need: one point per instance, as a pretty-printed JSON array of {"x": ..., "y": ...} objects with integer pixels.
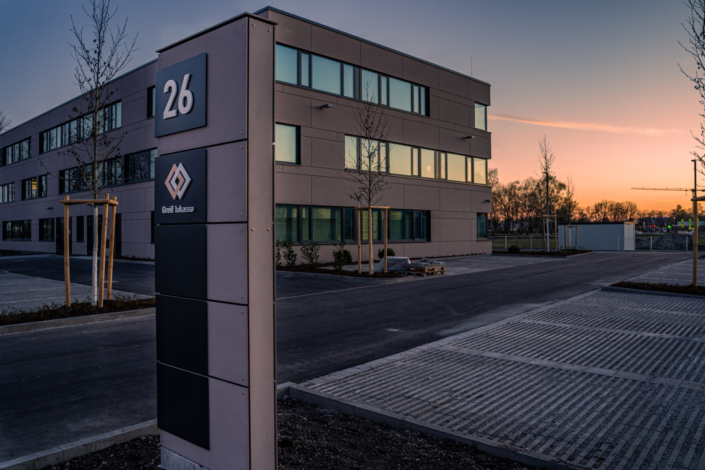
[
  {"x": 469, "y": 137},
  {"x": 326, "y": 106}
]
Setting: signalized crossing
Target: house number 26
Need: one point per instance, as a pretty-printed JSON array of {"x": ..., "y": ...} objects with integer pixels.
[{"x": 185, "y": 101}]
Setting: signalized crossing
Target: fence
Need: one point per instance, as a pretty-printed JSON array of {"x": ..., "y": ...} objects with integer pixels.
[{"x": 527, "y": 242}]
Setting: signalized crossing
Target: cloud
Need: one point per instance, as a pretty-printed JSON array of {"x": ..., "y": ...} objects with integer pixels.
[{"x": 590, "y": 126}]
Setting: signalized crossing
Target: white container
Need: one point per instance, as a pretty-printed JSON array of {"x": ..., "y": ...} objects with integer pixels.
[{"x": 608, "y": 236}]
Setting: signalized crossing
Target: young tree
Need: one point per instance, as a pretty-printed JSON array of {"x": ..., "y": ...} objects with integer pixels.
[
  {"x": 99, "y": 59},
  {"x": 546, "y": 158},
  {"x": 5, "y": 122},
  {"x": 695, "y": 29},
  {"x": 493, "y": 181},
  {"x": 366, "y": 160}
]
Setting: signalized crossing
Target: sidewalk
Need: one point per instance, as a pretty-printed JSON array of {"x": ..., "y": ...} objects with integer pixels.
[
  {"x": 678, "y": 274},
  {"x": 603, "y": 380}
]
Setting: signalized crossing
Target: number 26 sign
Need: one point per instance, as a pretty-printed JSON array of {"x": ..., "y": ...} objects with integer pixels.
[{"x": 181, "y": 97}]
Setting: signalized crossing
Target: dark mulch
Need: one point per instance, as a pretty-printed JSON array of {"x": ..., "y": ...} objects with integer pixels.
[
  {"x": 542, "y": 253},
  {"x": 77, "y": 309},
  {"x": 365, "y": 267},
  {"x": 312, "y": 438},
  {"x": 689, "y": 289}
]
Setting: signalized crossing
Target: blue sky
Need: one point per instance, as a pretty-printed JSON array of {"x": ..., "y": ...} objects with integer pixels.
[{"x": 599, "y": 78}]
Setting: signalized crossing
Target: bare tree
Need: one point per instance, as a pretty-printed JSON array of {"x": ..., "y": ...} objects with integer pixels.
[
  {"x": 5, "y": 122},
  {"x": 546, "y": 158},
  {"x": 695, "y": 28},
  {"x": 99, "y": 60}
]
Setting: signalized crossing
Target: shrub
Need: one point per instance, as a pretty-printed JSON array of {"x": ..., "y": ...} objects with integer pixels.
[
  {"x": 310, "y": 252},
  {"x": 289, "y": 253},
  {"x": 341, "y": 256},
  {"x": 390, "y": 252},
  {"x": 514, "y": 249},
  {"x": 278, "y": 257}
]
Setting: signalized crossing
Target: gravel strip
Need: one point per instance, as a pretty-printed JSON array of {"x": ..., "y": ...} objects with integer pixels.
[{"x": 313, "y": 438}]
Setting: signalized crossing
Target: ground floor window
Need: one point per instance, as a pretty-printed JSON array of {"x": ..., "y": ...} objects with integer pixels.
[
  {"x": 331, "y": 224},
  {"x": 46, "y": 230},
  {"x": 79, "y": 229},
  {"x": 481, "y": 225},
  {"x": 17, "y": 230}
]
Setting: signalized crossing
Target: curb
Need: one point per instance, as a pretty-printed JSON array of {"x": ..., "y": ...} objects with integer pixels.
[
  {"x": 74, "y": 321},
  {"x": 398, "y": 421},
  {"x": 71, "y": 450},
  {"x": 348, "y": 278},
  {"x": 545, "y": 256},
  {"x": 626, "y": 290},
  {"x": 283, "y": 390}
]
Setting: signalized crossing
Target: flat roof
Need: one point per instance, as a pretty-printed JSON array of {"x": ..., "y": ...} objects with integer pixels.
[{"x": 277, "y": 10}]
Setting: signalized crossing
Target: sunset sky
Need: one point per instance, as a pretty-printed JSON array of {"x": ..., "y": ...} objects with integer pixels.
[{"x": 599, "y": 78}]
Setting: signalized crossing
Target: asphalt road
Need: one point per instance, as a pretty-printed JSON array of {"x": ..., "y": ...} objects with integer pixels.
[{"x": 65, "y": 384}]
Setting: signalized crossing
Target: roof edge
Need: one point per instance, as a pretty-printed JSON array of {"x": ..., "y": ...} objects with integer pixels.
[
  {"x": 216, "y": 26},
  {"x": 291, "y": 15}
]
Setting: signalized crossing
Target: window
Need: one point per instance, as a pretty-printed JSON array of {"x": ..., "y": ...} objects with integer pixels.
[
  {"x": 151, "y": 101},
  {"x": 111, "y": 173},
  {"x": 428, "y": 163},
  {"x": 326, "y": 224},
  {"x": 71, "y": 180},
  {"x": 401, "y": 225},
  {"x": 46, "y": 230},
  {"x": 109, "y": 119},
  {"x": 456, "y": 167},
  {"x": 480, "y": 116},
  {"x": 139, "y": 166},
  {"x": 481, "y": 225},
  {"x": 441, "y": 165},
  {"x": 377, "y": 225},
  {"x": 286, "y": 64},
  {"x": 287, "y": 223},
  {"x": 152, "y": 228},
  {"x": 287, "y": 148},
  {"x": 7, "y": 193},
  {"x": 400, "y": 159},
  {"x": 331, "y": 76},
  {"x": 479, "y": 171},
  {"x": 351, "y": 156},
  {"x": 80, "y": 230},
  {"x": 34, "y": 187},
  {"x": 15, "y": 152},
  {"x": 17, "y": 230}
]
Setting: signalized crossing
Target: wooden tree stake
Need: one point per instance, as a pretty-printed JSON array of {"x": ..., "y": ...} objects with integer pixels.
[
  {"x": 369, "y": 231},
  {"x": 104, "y": 234},
  {"x": 386, "y": 236},
  {"x": 67, "y": 274},
  {"x": 359, "y": 242},
  {"x": 113, "y": 210}
]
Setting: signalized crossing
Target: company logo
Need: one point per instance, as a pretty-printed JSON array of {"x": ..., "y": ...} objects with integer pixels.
[{"x": 178, "y": 181}]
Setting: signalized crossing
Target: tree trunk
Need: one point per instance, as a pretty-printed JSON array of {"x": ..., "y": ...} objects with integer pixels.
[{"x": 94, "y": 266}]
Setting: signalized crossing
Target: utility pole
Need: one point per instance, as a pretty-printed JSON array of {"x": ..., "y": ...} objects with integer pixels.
[
  {"x": 697, "y": 223},
  {"x": 548, "y": 212}
]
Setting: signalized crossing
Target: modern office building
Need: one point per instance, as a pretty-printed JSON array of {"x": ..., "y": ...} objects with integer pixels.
[{"x": 435, "y": 152}]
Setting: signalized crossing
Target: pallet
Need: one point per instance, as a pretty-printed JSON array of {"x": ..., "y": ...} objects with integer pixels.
[{"x": 426, "y": 270}]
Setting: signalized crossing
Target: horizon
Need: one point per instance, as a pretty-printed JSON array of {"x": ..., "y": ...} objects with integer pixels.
[{"x": 602, "y": 83}]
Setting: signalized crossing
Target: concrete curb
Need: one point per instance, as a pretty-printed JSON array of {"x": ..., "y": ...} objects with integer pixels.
[
  {"x": 348, "y": 278},
  {"x": 398, "y": 421},
  {"x": 46, "y": 324},
  {"x": 626, "y": 290},
  {"x": 71, "y": 450},
  {"x": 544, "y": 256},
  {"x": 283, "y": 390}
]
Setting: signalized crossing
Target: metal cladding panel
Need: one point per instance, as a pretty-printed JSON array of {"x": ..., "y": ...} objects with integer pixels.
[
  {"x": 226, "y": 89},
  {"x": 226, "y": 256},
  {"x": 183, "y": 405},
  {"x": 180, "y": 260},
  {"x": 180, "y": 188},
  {"x": 227, "y": 182},
  {"x": 181, "y": 92},
  {"x": 227, "y": 342},
  {"x": 182, "y": 333}
]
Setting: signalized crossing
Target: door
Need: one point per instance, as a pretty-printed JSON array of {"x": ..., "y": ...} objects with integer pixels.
[
  {"x": 89, "y": 225},
  {"x": 60, "y": 236}
]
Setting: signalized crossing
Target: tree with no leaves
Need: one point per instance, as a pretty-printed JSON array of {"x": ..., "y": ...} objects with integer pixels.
[
  {"x": 5, "y": 122},
  {"x": 99, "y": 60},
  {"x": 546, "y": 158},
  {"x": 695, "y": 28}
]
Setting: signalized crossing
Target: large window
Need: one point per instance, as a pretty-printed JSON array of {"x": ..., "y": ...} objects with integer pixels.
[
  {"x": 17, "y": 230},
  {"x": 139, "y": 166},
  {"x": 109, "y": 118},
  {"x": 71, "y": 180},
  {"x": 34, "y": 187},
  {"x": 330, "y": 224},
  {"x": 400, "y": 159},
  {"x": 287, "y": 148},
  {"x": 481, "y": 225},
  {"x": 46, "y": 230},
  {"x": 151, "y": 101},
  {"x": 15, "y": 152},
  {"x": 428, "y": 164},
  {"x": 479, "y": 171},
  {"x": 331, "y": 76},
  {"x": 456, "y": 167},
  {"x": 7, "y": 193},
  {"x": 480, "y": 116}
]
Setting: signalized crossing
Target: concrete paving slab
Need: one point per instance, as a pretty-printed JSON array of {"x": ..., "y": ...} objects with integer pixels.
[
  {"x": 676, "y": 274},
  {"x": 19, "y": 292},
  {"x": 604, "y": 380}
]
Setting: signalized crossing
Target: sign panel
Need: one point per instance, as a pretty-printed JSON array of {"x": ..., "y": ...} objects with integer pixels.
[
  {"x": 180, "y": 188},
  {"x": 181, "y": 97}
]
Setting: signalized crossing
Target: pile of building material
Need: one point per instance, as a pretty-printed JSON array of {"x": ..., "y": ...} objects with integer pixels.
[
  {"x": 394, "y": 264},
  {"x": 426, "y": 267}
]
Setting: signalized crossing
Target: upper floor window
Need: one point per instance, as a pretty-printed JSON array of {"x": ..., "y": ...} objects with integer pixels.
[
  {"x": 151, "y": 101},
  {"x": 287, "y": 140},
  {"x": 7, "y": 193},
  {"x": 34, "y": 187},
  {"x": 140, "y": 166},
  {"x": 480, "y": 116},
  {"x": 109, "y": 119},
  {"x": 331, "y": 76},
  {"x": 16, "y": 152}
]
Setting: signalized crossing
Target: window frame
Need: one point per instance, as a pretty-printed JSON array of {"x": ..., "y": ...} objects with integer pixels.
[
  {"x": 52, "y": 232},
  {"x": 297, "y": 136}
]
